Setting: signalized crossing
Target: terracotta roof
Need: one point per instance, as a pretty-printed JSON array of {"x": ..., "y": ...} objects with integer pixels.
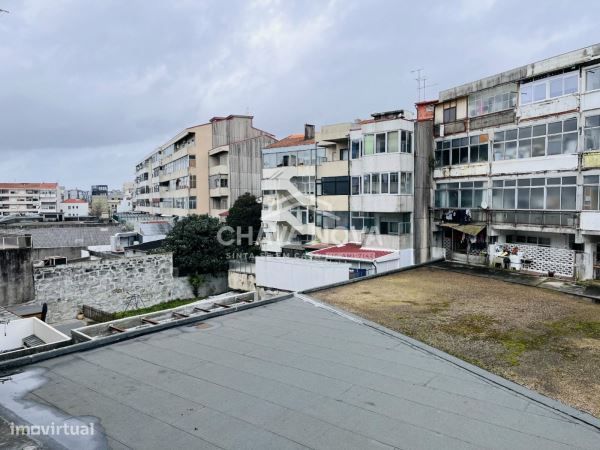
[
  {"x": 351, "y": 251},
  {"x": 224, "y": 214},
  {"x": 291, "y": 141},
  {"x": 74, "y": 200},
  {"x": 28, "y": 185}
]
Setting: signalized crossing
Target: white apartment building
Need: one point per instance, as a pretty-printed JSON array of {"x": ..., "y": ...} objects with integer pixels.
[
  {"x": 517, "y": 167},
  {"x": 203, "y": 169},
  {"x": 29, "y": 198},
  {"x": 74, "y": 208},
  {"x": 344, "y": 194}
]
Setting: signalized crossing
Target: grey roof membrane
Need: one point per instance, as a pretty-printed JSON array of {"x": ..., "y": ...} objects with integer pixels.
[
  {"x": 70, "y": 236},
  {"x": 286, "y": 375}
]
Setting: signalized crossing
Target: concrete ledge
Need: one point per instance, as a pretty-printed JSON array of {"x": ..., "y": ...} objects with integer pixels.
[
  {"x": 96, "y": 343},
  {"x": 489, "y": 377}
]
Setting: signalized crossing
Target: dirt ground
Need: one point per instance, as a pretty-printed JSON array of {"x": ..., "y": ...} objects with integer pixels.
[{"x": 545, "y": 340}]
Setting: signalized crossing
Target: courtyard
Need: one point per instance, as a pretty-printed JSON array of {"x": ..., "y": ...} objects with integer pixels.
[{"x": 545, "y": 340}]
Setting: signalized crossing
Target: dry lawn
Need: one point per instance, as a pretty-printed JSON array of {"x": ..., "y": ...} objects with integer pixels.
[{"x": 545, "y": 340}]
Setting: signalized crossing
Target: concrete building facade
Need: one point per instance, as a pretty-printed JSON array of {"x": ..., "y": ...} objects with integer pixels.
[
  {"x": 203, "y": 169},
  {"x": 516, "y": 167},
  {"x": 74, "y": 208},
  {"x": 29, "y": 198},
  {"x": 344, "y": 194}
]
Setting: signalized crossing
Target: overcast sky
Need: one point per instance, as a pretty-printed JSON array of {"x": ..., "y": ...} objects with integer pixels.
[{"x": 88, "y": 87}]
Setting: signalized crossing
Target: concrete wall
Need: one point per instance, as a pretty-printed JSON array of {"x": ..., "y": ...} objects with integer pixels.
[
  {"x": 70, "y": 253},
  {"x": 111, "y": 284},
  {"x": 16, "y": 276},
  {"x": 422, "y": 190},
  {"x": 241, "y": 281},
  {"x": 295, "y": 274}
]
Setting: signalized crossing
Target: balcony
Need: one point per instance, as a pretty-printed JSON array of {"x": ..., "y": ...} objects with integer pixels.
[
  {"x": 554, "y": 219},
  {"x": 219, "y": 192},
  {"x": 220, "y": 169}
]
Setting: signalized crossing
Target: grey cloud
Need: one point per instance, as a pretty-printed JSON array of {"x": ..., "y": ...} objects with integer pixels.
[{"x": 89, "y": 87}]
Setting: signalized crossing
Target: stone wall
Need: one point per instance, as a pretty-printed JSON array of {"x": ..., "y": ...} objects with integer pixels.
[
  {"x": 16, "y": 276},
  {"x": 112, "y": 285}
]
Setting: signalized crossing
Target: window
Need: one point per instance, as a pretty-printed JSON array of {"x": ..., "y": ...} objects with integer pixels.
[
  {"x": 404, "y": 225},
  {"x": 343, "y": 154},
  {"x": 461, "y": 150},
  {"x": 492, "y": 100},
  {"x": 467, "y": 194},
  {"x": 362, "y": 220},
  {"x": 552, "y": 87},
  {"x": 392, "y": 142},
  {"x": 394, "y": 183},
  {"x": 375, "y": 183},
  {"x": 303, "y": 214},
  {"x": 355, "y": 149},
  {"x": 334, "y": 186},
  {"x": 406, "y": 143},
  {"x": 591, "y": 185},
  {"x": 329, "y": 220},
  {"x": 591, "y": 133},
  {"x": 592, "y": 79},
  {"x": 532, "y": 141},
  {"x": 306, "y": 184},
  {"x": 366, "y": 184},
  {"x": 557, "y": 193},
  {"x": 399, "y": 226},
  {"x": 385, "y": 183},
  {"x": 450, "y": 114},
  {"x": 369, "y": 144},
  {"x": 380, "y": 143},
  {"x": 355, "y": 189},
  {"x": 406, "y": 182}
]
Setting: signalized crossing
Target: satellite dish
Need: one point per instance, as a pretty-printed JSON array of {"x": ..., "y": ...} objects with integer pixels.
[{"x": 484, "y": 205}]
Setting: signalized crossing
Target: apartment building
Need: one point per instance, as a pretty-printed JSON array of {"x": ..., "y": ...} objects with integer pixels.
[
  {"x": 203, "y": 169},
  {"x": 517, "y": 167},
  {"x": 30, "y": 198},
  {"x": 74, "y": 208},
  {"x": 345, "y": 194},
  {"x": 77, "y": 194}
]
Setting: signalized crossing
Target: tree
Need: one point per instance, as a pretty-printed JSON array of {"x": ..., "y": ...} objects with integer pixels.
[
  {"x": 196, "y": 245},
  {"x": 244, "y": 218},
  {"x": 99, "y": 206}
]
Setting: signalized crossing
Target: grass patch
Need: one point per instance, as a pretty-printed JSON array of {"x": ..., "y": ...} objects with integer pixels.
[
  {"x": 435, "y": 308},
  {"x": 155, "y": 308},
  {"x": 470, "y": 324}
]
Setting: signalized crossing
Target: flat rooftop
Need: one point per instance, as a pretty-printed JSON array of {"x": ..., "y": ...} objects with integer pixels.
[{"x": 290, "y": 374}]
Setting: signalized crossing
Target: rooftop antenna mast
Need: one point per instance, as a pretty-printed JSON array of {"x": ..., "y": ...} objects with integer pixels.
[{"x": 420, "y": 82}]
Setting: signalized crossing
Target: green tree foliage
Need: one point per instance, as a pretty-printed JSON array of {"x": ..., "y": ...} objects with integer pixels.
[
  {"x": 244, "y": 216},
  {"x": 196, "y": 247}
]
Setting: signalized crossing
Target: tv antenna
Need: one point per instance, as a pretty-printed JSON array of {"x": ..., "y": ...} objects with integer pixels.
[{"x": 422, "y": 84}]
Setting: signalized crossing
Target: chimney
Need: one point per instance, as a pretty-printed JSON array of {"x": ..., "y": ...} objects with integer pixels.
[{"x": 309, "y": 131}]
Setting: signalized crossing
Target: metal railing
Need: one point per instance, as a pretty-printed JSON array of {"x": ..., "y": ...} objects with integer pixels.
[
  {"x": 566, "y": 219},
  {"x": 539, "y": 218}
]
